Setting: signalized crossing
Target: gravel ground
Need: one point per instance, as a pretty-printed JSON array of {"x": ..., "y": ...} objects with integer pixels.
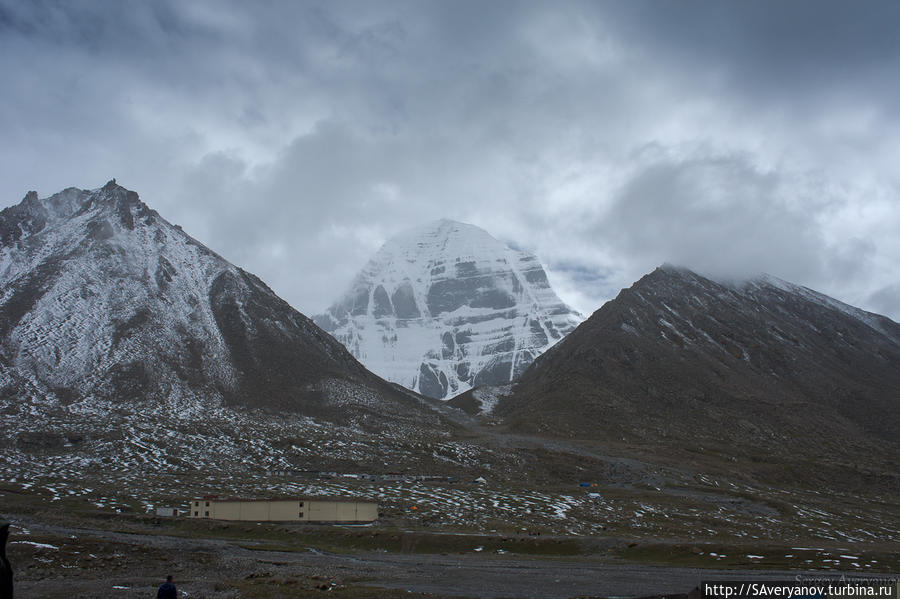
[{"x": 55, "y": 561}]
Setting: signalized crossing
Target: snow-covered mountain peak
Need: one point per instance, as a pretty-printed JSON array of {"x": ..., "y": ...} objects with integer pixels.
[
  {"x": 101, "y": 299},
  {"x": 445, "y": 306},
  {"x": 444, "y": 237},
  {"x": 34, "y": 214}
]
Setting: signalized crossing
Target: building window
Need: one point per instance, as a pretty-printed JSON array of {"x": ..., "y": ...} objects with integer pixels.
[
  {"x": 301, "y": 514},
  {"x": 196, "y": 514},
  {"x": 301, "y": 504},
  {"x": 207, "y": 514},
  {"x": 196, "y": 504},
  {"x": 207, "y": 504}
]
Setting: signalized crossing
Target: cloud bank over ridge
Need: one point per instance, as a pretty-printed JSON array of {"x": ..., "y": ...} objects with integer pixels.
[{"x": 294, "y": 138}]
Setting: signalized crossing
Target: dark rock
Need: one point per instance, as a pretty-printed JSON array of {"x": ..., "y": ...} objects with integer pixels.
[
  {"x": 164, "y": 273},
  {"x": 404, "y": 302},
  {"x": 382, "y": 303},
  {"x": 432, "y": 382},
  {"x": 38, "y": 441}
]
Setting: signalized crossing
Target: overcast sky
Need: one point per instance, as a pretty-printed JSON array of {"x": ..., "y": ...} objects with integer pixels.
[{"x": 607, "y": 137}]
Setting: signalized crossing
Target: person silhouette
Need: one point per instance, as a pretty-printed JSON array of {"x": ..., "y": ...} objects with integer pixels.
[
  {"x": 167, "y": 589},
  {"x": 6, "y": 573}
]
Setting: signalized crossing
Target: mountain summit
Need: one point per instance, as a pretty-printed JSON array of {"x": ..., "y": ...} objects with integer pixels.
[
  {"x": 758, "y": 369},
  {"x": 444, "y": 307},
  {"x": 104, "y": 300}
]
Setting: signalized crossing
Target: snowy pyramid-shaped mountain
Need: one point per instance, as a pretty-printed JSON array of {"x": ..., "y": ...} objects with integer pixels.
[{"x": 445, "y": 307}]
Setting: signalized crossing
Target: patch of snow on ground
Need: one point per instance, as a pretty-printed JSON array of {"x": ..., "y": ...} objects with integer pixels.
[
  {"x": 36, "y": 545},
  {"x": 488, "y": 397}
]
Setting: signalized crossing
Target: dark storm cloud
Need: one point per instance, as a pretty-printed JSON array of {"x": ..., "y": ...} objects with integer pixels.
[
  {"x": 772, "y": 49},
  {"x": 608, "y": 137}
]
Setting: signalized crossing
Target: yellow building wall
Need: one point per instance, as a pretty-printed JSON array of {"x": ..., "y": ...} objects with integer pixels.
[
  {"x": 322, "y": 511},
  {"x": 254, "y": 510},
  {"x": 283, "y": 511},
  {"x": 286, "y": 510},
  {"x": 346, "y": 512},
  {"x": 230, "y": 510},
  {"x": 366, "y": 512}
]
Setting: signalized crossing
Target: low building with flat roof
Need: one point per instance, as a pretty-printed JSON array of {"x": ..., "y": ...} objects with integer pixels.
[{"x": 296, "y": 509}]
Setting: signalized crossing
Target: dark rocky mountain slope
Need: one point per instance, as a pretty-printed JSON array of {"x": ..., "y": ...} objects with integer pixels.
[{"x": 760, "y": 370}]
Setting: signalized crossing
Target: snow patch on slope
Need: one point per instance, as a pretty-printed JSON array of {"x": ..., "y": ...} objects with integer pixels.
[{"x": 488, "y": 397}]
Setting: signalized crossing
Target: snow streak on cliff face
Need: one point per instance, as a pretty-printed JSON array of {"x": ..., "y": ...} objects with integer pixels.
[{"x": 445, "y": 307}]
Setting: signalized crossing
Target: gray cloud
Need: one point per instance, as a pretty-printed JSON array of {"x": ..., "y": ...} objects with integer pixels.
[
  {"x": 720, "y": 215},
  {"x": 886, "y": 300},
  {"x": 294, "y": 138},
  {"x": 785, "y": 48}
]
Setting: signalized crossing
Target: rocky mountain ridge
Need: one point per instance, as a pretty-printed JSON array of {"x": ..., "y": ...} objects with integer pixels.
[
  {"x": 103, "y": 299},
  {"x": 759, "y": 370}
]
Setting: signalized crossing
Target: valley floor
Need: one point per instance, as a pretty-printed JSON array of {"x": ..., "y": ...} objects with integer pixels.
[
  {"x": 552, "y": 518},
  {"x": 129, "y": 556}
]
